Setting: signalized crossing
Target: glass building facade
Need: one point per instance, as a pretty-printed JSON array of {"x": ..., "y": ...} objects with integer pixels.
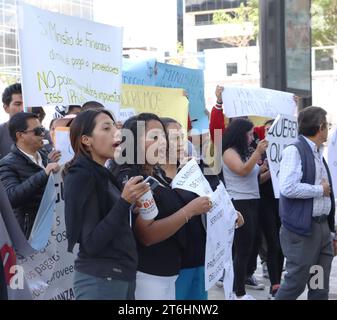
[
  {"x": 9, "y": 52},
  {"x": 210, "y": 5}
]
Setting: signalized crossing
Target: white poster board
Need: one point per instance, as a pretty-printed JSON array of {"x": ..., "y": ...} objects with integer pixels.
[
  {"x": 220, "y": 233},
  {"x": 62, "y": 143},
  {"x": 283, "y": 132},
  {"x": 49, "y": 272},
  {"x": 239, "y": 101},
  {"x": 191, "y": 178},
  {"x": 67, "y": 60},
  {"x": 332, "y": 160}
]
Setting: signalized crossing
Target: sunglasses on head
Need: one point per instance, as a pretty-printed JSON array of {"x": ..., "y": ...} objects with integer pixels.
[{"x": 38, "y": 131}]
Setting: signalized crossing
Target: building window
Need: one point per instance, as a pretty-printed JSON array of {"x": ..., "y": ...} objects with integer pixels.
[
  {"x": 232, "y": 68},
  {"x": 203, "y": 19},
  {"x": 324, "y": 60},
  {"x": 208, "y": 5},
  {"x": 212, "y": 43}
]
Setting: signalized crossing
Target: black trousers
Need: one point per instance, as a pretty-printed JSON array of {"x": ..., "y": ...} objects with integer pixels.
[
  {"x": 244, "y": 239},
  {"x": 3, "y": 285},
  {"x": 270, "y": 224}
]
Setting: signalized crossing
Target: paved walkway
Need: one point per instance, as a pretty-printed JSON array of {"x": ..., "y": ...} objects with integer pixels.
[{"x": 217, "y": 293}]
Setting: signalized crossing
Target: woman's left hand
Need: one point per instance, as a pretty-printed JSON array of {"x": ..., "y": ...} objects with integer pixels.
[{"x": 239, "y": 221}]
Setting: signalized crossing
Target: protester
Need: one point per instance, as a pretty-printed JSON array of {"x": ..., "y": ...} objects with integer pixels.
[
  {"x": 97, "y": 217},
  {"x": 92, "y": 105},
  {"x": 270, "y": 224},
  {"x": 241, "y": 180},
  {"x": 307, "y": 210},
  {"x": 74, "y": 109},
  {"x": 24, "y": 171},
  {"x": 190, "y": 284},
  {"x": 12, "y": 104},
  {"x": 161, "y": 240}
]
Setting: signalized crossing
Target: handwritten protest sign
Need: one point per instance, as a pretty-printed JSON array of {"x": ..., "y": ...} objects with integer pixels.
[
  {"x": 49, "y": 272},
  {"x": 67, "y": 60},
  {"x": 192, "y": 80},
  {"x": 164, "y": 102},
  {"x": 45, "y": 273},
  {"x": 220, "y": 233},
  {"x": 282, "y": 133},
  {"x": 152, "y": 73},
  {"x": 139, "y": 72},
  {"x": 332, "y": 159},
  {"x": 261, "y": 102},
  {"x": 191, "y": 178},
  {"x": 62, "y": 143}
]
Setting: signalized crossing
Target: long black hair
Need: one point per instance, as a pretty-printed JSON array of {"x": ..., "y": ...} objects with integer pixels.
[{"x": 235, "y": 137}]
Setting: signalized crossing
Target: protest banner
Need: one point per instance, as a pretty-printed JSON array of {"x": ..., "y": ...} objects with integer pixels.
[
  {"x": 220, "y": 233},
  {"x": 12, "y": 241},
  {"x": 66, "y": 60},
  {"x": 283, "y": 132},
  {"x": 126, "y": 113},
  {"x": 62, "y": 143},
  {"x": 192, "y": 80},
  {"x": 49, "y": 271},
  {"x": 164, "y": 102},
  {"x": 139, "y": 72},
  {"x": 191, "y": 178},
  {"x": 332, "y": 159},
  {"x": 261, "y": 102},
  {"x": 152, "y": 73}
]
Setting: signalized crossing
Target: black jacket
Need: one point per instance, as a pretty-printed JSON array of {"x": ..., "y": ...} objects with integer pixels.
[
  {"x": 24, "y": 182},
  {"x": 98, "y": 219}
]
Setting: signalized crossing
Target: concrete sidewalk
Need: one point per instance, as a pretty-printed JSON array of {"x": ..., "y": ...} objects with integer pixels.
[{"x": 216, "y": 293}]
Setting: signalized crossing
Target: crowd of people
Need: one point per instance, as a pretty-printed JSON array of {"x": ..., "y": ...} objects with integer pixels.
[{"x": 121, "y": 254}]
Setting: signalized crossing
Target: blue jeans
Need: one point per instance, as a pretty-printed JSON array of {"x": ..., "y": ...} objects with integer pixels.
[
  {"x": 87, "y": 287},
  {"x": 190, "y": 284}
]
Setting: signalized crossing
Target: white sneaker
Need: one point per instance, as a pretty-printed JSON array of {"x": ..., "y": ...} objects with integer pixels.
[{"x": 245, "y": 297}]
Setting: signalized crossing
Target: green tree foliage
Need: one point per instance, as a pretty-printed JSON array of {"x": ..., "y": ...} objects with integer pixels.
[
  {"x": 324, "y": 22},
  {"x": 247, "y": 16}
]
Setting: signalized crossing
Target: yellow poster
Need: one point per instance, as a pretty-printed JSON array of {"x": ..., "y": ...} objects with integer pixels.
[{"x": 164, "y": 102}]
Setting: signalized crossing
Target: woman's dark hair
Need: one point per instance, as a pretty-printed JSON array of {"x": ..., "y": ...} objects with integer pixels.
[
  {"x": 83, "y": 124},
  {"x": 92, "y": 105},
  {"x": 310, "y": 119},
  {"x": 167, "y": 121},
  {"x": 235, "y": 137},
  {"x": 131, "y": 125},
  {"x": 270, "y": 121}
]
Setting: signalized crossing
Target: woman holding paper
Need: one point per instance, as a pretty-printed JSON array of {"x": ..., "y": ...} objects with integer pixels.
[
  {"x": 97, "y": 213},
  {"x": 241, "y": 178},
  {"x": 190, "y": 284},
  {"x": 160, "y": 240}
]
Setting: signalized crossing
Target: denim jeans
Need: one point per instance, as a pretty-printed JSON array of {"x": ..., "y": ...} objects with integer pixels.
[{"x": 87, "y": 287}]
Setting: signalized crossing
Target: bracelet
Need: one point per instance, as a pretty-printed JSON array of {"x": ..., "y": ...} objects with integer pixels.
[
  {"x": 186, "y": 217},
  {"x": 218, "y": 102}
]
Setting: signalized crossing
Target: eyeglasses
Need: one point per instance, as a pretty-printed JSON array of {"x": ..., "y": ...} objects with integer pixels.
[
  {"x": 38, "y": 131},
  {"x": 327, "y": 125}
]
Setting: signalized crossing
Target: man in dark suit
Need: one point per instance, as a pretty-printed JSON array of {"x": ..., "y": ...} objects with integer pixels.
[{"x": 24, "y": 171}]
